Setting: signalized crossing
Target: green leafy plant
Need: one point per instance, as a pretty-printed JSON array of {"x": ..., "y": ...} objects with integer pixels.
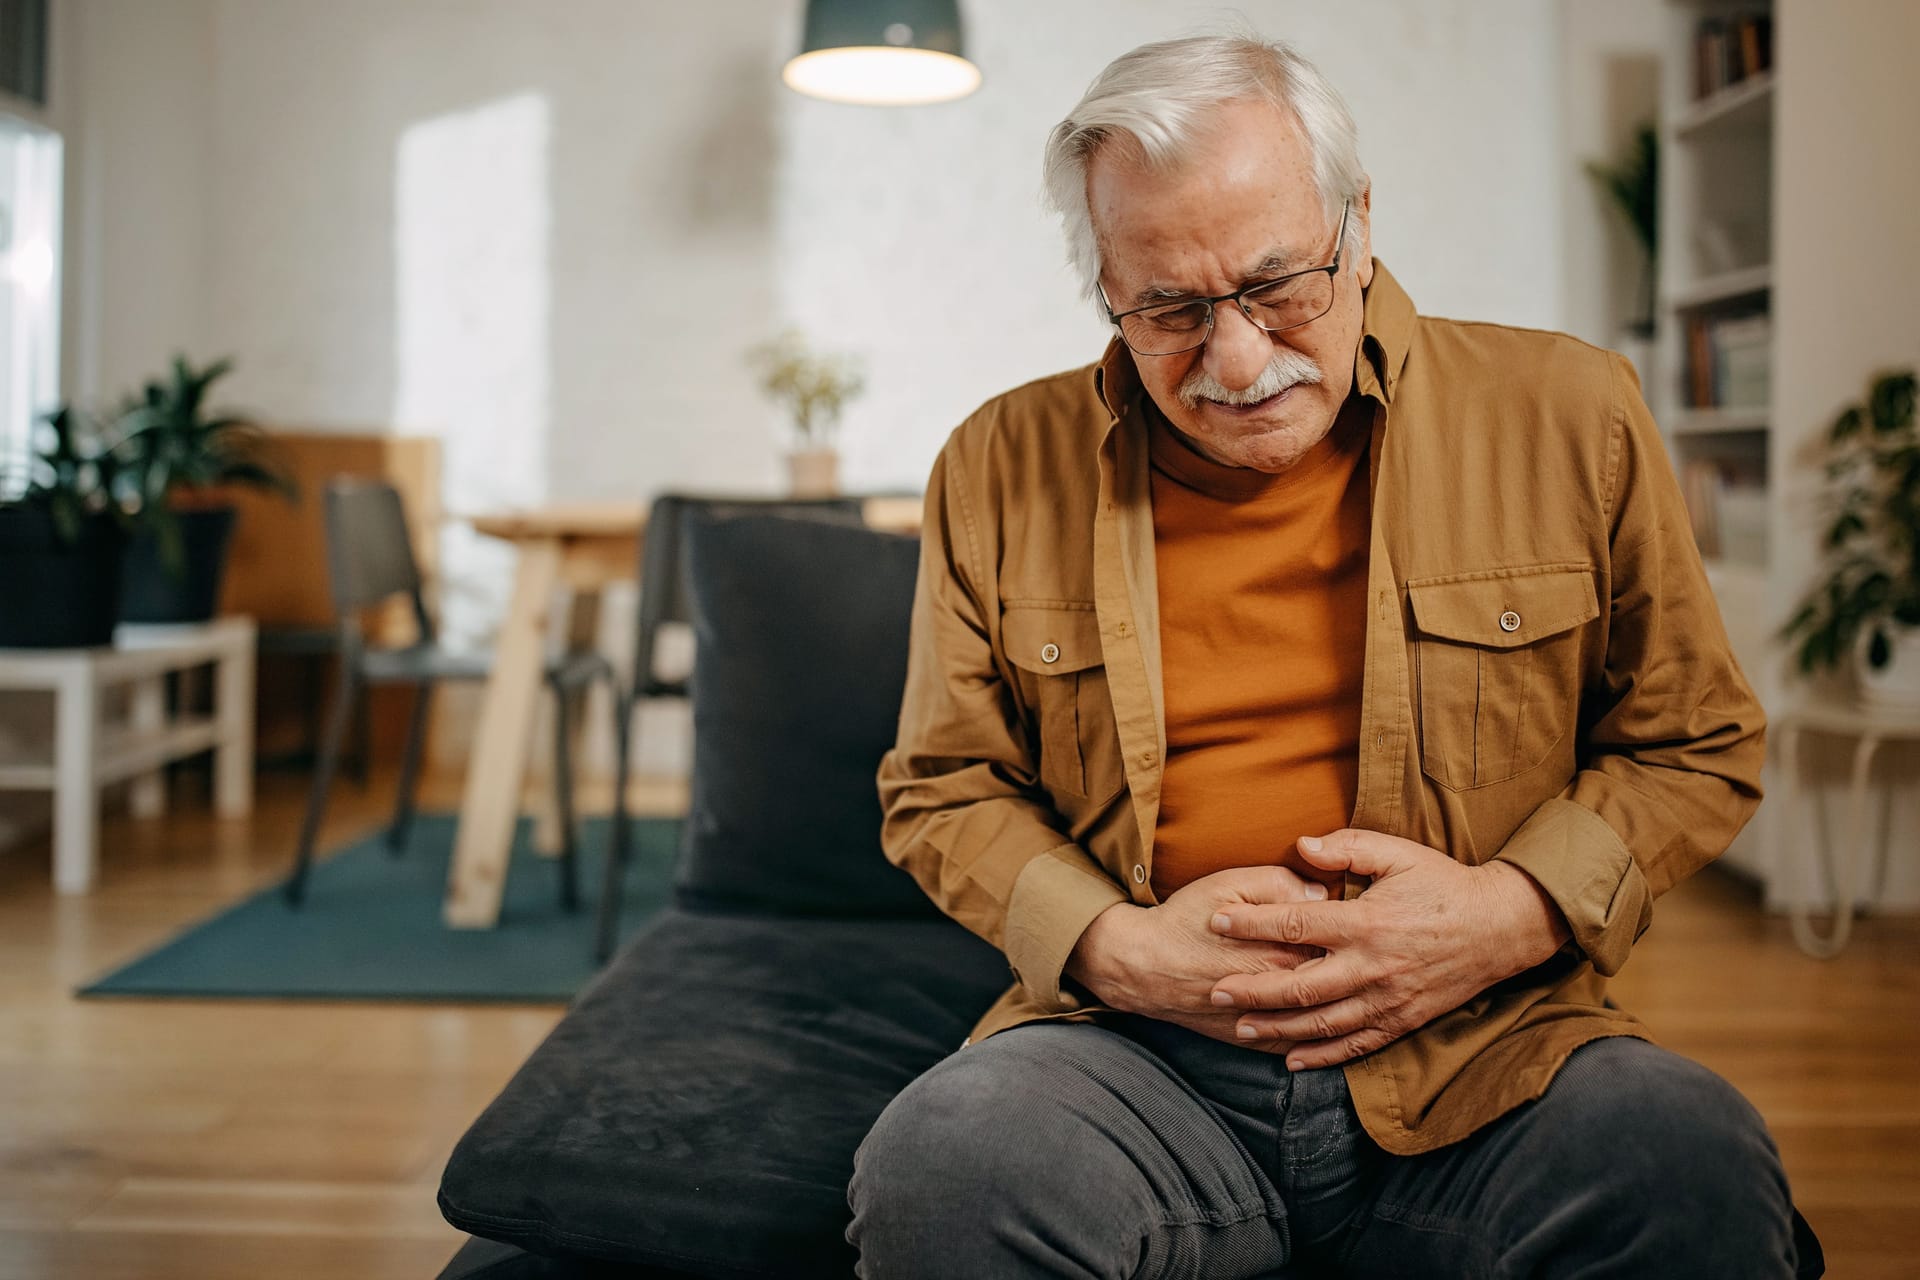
[
  {"x": 1632, "y": 185},
  {"x": 72, "y": 472},
  {"x": 814, "y": 388},
  {"x": 1871, "y": 550},
  {"x": 173, "y": 450}
]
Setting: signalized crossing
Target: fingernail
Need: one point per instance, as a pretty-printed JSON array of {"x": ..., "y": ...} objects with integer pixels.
[
  {"x": 1221, "y": 923},
  {"x": 1245, "y": 1033},
  {"x": 1310, "y": 843},
  {"x": 1317, "y": 892},
  {"x": 1294, "y": 1064},
  {"x": 1222, "y": 997}
]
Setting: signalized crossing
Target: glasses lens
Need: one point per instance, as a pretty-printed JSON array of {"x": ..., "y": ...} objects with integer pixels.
[
  {"x": 1295, "y": 301},
  {"x": 1165, "y": 330}
]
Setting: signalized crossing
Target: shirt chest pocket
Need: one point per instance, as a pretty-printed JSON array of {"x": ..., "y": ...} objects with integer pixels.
[
  {"x": 1498, "y": 660},
  {"x": 1064, "y": 675}
]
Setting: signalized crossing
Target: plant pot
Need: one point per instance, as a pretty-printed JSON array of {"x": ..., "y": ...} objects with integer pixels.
[
  {"x": 814, "y": 473},
  {"x": 151, "y": 592},
  {"x": 57, "y": 596},
  {"x": 1896, "y": 686}
]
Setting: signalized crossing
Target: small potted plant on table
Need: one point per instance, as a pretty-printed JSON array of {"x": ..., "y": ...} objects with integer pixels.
[{"x": 814, "y": 388}]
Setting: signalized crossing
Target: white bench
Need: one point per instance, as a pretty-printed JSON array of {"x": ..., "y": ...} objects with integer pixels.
[{"x": 87, "y": 753}]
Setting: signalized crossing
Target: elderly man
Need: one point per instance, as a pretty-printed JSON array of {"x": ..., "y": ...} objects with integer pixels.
[{"x": 1311, "y": 699}]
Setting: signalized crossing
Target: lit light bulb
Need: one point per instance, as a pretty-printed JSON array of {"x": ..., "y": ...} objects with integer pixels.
[{"x": 875, "y": 75}]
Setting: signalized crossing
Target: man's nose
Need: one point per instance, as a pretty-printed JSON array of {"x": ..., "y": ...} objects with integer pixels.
[{"x": 1238, "y": 351}]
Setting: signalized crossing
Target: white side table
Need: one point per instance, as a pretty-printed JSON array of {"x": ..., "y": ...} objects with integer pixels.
[
  {"x": 1869, "y": 729},
  {"x": 88, "y": 754}
]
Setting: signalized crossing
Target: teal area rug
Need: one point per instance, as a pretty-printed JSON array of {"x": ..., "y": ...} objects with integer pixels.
[{"x": 370, "y": 928}]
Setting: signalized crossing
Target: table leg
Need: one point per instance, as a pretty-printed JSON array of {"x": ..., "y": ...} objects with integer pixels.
[
  {"x": 1843, "y": 862},
  {"x": 233, "y": 694},
  {"x": 491, "y": 802},
  {"x": 147, "y": 713},
  {"x": 76, "y": 793},
  {"x": 583, "y": 633}
]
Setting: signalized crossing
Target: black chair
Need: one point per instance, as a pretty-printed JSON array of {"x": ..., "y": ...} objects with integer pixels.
[
  {"x": 370, "y": 561},
  {"x": 664, "y": 599}
]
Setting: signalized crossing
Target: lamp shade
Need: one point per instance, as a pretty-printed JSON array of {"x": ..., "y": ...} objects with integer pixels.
[{"x": 882, "y": 52}]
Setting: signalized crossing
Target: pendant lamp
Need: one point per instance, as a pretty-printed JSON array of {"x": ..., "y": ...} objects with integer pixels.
[{"x": 891, "y": 52}]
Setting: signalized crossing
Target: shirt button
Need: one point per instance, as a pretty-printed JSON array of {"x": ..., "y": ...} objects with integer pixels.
[
  {"x": 1146, "y": 759},
  {"x": 1509, "y": 621},
  {"x": 1139, "y": 874},
  {"x": 1121, "y": 629},
  {"x": 1051, "y": 653}
]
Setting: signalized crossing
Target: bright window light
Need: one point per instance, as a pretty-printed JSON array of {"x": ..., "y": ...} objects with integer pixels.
[
  {"x": 881, "y": 76},
  {"x": 31, "y": 267}
]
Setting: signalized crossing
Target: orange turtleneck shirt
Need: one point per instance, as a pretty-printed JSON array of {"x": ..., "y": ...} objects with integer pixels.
[{"x": 1263, "y": 582}]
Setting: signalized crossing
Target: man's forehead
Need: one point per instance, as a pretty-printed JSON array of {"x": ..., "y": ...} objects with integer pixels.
[
  {"x": 1241, "y": 200},
  {"x": 1276, "y": 261}
]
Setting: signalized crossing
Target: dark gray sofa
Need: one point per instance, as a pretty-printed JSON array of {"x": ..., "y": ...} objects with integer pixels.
[{"x": 697, "y": 1110}]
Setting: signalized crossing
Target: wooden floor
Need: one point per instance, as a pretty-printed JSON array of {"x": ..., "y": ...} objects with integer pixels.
[{"x": 235, "y": 1141}]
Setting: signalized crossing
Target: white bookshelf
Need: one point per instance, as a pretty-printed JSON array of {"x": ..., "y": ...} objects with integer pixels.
[{"x": 1717, "y": 260}]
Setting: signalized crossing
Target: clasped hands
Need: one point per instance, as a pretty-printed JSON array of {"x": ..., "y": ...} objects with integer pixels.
[{"x": 1264, "y": 957}]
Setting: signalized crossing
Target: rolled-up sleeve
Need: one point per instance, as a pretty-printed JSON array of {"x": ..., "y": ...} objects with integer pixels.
[
  {"x": 1675, "y": 739},
  {"x": 964, "y": 813}
]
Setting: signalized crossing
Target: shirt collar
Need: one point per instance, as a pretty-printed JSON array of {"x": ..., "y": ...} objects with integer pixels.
[{"x": 1385, "y": 334}]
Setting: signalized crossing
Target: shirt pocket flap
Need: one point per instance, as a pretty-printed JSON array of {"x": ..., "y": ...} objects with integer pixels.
[
  {"x": 1052, "y": 640},
  {"x": 1507, "y": 611}
]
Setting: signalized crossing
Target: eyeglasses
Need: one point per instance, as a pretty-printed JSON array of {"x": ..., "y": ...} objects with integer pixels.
[{"x": 1300, "y": 297}]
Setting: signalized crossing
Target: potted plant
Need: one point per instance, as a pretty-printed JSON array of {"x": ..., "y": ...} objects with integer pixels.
[
  {"x": 814, "y": 388},
  {"x": 62, "y": 534},
  {"x": 183, "y": 460},
  {"x": 1632, "y": 186},
  {"x": 1866, "y": 608}
]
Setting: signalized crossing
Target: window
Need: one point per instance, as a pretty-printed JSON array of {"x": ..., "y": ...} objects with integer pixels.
[{"x": 29, "y": 289}]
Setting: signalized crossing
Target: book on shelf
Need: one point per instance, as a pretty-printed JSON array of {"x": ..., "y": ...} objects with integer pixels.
[
  {"x": 1730, "y": 49},
  {"x": 1729, "y": 361},
  {"x": 1727, "y": 510}
]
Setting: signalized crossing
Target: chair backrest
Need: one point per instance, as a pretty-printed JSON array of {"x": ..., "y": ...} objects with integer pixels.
[
  {"x": 370, "y": 549},
  {"x": 663, "y": 567}
]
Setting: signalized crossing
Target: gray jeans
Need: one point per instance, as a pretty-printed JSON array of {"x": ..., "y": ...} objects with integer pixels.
[{"x": 1138, "y": 1149}]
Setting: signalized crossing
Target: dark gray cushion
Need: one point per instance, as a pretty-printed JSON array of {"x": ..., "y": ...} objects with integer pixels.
[
  {"x": 700, "y": 1105},
  {"x": 800, "y": 657},
  {"x": 483, "y": 1259}
]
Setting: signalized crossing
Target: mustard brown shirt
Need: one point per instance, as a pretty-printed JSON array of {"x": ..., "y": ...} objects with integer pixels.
[{"x": 1546, "y": 680}]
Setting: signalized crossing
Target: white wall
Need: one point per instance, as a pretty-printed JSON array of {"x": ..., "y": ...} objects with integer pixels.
[
  {"x": 1846, "y": 198},
  {"x": 694, "y": 206},
  {"x": 130, "y": 84},
  {"x": 1609, "y": 85}
]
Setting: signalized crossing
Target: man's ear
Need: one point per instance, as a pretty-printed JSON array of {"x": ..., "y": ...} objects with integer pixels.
[{"x": 1363, "y": 242}]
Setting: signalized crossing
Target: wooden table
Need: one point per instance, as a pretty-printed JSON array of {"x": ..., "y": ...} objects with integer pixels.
[
  {"x": 577, "y": 549},
  {"x": 1869, "y": 729},
  {"x": 87, "y": 753}
]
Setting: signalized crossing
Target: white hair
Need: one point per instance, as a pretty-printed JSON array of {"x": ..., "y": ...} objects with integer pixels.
[{"x": 1160, "y": 96}]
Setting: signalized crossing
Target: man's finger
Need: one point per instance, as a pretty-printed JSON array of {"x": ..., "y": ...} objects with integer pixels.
[
  {"x": 1331, "y": 1053},
  {"x": 1363, "y": 852},
  {"x": 1268, "y": 884},
  {"x": 1322, "y": 981},
  {"x": 1300, "y": 924},
  {"x": 1323, "y": 1022}
]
